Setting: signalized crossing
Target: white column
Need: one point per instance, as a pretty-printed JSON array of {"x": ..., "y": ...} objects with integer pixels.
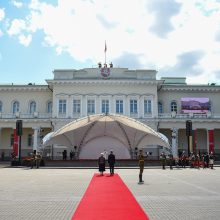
[
  {"x": 69, "y": 109},
  {"x": 174, "y": 142},
  {"x": 141, "y": 107},
  {"x": 127, "y": 105},
  {"x": 35, "y": 144},
  {"x": 111, "y": 104},
  {"x": 83, "y": 106},
  {"x": 97, "y": 104}
]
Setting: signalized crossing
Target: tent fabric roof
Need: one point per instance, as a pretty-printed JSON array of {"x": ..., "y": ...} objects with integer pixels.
[{"x": 128, "y": 131}]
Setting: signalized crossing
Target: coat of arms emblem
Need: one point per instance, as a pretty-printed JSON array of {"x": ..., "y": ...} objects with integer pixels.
[{"x": 105, "y": 72}]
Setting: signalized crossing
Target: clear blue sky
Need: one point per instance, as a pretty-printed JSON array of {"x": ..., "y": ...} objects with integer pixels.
[{"x": 175, "y": 37}]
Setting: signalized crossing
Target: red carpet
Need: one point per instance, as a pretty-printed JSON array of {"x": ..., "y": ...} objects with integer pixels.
[{"x": 108, "y": 198}]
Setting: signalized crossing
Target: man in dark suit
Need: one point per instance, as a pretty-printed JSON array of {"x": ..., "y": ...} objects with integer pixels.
[{"x": 111, "y": 162}]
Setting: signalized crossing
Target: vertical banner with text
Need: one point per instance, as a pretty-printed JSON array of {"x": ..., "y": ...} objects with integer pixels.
[
  {"x": 211, "y": 141},
  {"x": 15, "y": 144}
]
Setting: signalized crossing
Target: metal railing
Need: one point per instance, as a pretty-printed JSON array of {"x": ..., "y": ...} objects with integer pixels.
[
  {"x": 25, "y": 115},
  {"x": 160, "y": 116}
]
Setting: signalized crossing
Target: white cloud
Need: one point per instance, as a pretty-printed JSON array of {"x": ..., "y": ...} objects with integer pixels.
[
  {"x": 17, "y": 26},
  {"x": 17, "y": 4},
  {"x": 81, "y": 28},
  {"x": 25, "y": 40},
  {"x": 2, "y": 13}
]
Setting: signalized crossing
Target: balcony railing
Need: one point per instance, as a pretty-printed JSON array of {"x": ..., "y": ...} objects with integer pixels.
[
  {"x": 26, "y": 115},
  {"x": 172, "y": 115},
  {"x": 189, "y": 115}
]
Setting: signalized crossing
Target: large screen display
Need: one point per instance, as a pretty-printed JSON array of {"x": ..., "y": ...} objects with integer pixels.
[{"x": 195, "y": 105}]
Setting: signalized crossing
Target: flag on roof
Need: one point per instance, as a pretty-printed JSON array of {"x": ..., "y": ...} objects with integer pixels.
[{"x": 105, "y": 47}]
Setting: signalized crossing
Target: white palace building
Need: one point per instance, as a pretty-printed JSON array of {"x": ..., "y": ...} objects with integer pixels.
[{"x": 164, "y": 105}]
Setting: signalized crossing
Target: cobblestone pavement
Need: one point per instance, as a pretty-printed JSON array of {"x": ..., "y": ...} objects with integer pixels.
[{"x": 54, "y": 193}]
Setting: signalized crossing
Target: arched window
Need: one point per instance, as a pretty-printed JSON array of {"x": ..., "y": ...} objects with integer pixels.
[
  {"x": 0, "y": 106},
  {"x": 173, "y": 106},
  {"x": 49, "y": 107},
  {"x": 15, "y": 107},
  {"x": 32, "y": 107},
  {"x": 160, "y": 108}
]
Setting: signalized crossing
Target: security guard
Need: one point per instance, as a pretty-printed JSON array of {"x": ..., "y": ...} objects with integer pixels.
[
  {"x": 38, "y": 160},
  {"x": 141, "y": 166},
  {"x": 33, "y": 159}
]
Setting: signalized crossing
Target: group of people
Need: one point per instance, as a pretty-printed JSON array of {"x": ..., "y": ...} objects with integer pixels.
[
  {"x": 205, "y": 160},
  {"x": 72, "y": 155},
  {"x": 111, "y": 161},
  {"x": 102, "y": 162}
]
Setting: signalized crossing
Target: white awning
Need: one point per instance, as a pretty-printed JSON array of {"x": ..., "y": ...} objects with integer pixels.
[{"x": 128, "y": 131}]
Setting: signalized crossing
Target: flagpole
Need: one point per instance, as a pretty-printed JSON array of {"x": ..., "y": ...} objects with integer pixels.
[{"x": 105, "y": 52}]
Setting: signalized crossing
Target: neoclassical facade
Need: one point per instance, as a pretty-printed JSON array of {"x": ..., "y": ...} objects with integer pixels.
[{"x": 74, "y": 94}]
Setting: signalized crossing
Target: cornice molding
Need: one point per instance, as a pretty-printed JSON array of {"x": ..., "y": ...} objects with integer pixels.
[
  {"x": 191, "y": 88},
  {"x": 24, "y": 88},
  {"x": 103, "y": 81},
  {"x": 104, "y": 94}
]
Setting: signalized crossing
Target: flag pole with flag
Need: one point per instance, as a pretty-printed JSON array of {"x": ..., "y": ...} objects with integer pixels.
[{"x": 105, "y": 51}]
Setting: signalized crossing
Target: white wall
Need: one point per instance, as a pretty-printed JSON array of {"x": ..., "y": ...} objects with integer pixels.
[{"x": 93, "y": 149}]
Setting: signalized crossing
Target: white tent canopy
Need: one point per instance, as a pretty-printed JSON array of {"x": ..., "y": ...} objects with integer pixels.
[{"x": 94, "y": 133}]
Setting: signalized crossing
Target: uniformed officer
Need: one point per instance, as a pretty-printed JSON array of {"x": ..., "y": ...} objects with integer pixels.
[
  {"x": 38, "y": 160},
  {"x": 33, "y": 159},
  {"x": 163, "y": 160},
  {"x": 171, "y": 160},
  {"x": 141, "y": 166}
]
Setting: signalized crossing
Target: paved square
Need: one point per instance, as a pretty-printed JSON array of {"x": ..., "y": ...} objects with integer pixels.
[{"x": 54, "y": 193}]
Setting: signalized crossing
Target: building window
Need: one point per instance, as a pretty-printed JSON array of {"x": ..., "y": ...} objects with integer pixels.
[
  {"x": 173, "y": 106},
  {"x": 119, "y": 107},
  {"x": 49, "y": 107},
  {"x": 160, "y": 108},
  {"x": 30, "y": 140},
  {"x": 12, "y": 139},
  {"x": 15, "y": 107},
  {"x": 105, "y": 106},
  {"x": 62, "y": 106},
  {"x": 76, "y": 106},
  {"x": 91, "y": 106},
  {"x": 133, "y": 106},
  {"x": 0, "y": 106},
  {"x": 32, "y": 107},
  {"x": 147, "y": 107}
]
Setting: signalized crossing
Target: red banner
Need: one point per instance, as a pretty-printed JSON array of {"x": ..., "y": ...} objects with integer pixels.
[
  {"x": 211, "y": 141},
  {"x": 15, "y": 145}
]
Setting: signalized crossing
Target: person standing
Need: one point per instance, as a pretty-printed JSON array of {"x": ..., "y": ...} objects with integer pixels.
[
  {"x": 111, "y": 162},
  {"x": 33, "y": 159},
  {"x": 101, "y": 163},
  {"x": 163, "y": 160},
  {"x": 171, "y": 160},
  {"x": 211, "y": 160},
  {"x": 183, "y": 157},
  {"x": 141, "y": 166},
  {"x": 71, "y": 155},
  {"x": 38, "y": 160},
  {"x": 3, "y": 155}
]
